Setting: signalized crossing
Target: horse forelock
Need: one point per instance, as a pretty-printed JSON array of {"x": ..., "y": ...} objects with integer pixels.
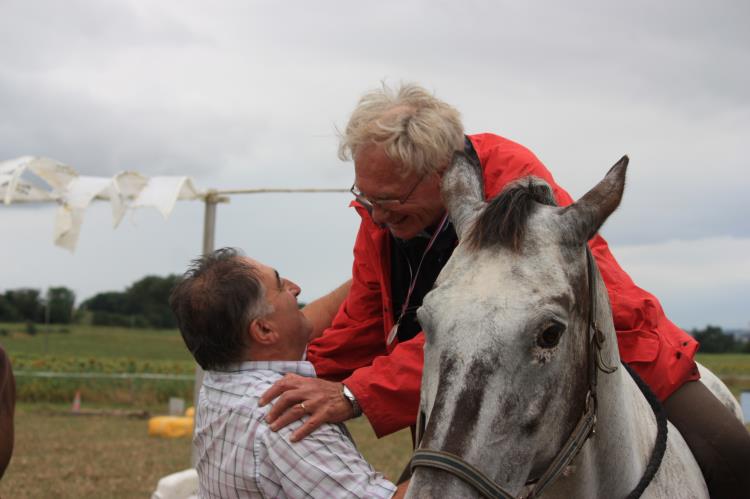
[{"x": 504, "y": 219}]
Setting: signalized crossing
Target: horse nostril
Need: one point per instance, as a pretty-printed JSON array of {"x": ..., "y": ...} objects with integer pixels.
[{"x": 550, "y": 337}]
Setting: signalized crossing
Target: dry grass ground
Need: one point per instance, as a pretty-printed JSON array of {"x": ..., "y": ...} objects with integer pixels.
[
  {"x": 63, "y": 456},
  {"x": 389, "y": 455}
]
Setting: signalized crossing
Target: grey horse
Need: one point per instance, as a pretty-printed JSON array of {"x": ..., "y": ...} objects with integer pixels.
[{"x": 522, "y": 383}]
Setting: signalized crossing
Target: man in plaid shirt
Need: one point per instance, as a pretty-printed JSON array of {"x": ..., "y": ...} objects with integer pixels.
[{"x": 241, "y": 322}]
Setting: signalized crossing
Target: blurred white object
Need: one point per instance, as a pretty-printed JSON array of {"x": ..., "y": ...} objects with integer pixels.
[
  {"x": 33, "y": 179},
  {"x": 745, "y": 403},
  {"x": 176, "y": 406},
  {"x": 180, "y": 485}
]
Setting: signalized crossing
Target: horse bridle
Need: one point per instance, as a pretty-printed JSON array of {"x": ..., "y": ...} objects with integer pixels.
[{"x": 487, "y": 487}]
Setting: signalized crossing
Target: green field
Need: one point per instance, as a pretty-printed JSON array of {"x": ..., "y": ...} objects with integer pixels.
[
  {"x": 58, "y": 454},
  {"x": 87, "y": 349},
  {"x": 97, "y": 342},
  {"x": 732, "y": 368},
  {"x": 726, "y": 364}
]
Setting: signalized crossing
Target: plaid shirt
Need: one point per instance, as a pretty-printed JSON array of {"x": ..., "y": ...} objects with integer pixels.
[{"x": 239, "y": 456}]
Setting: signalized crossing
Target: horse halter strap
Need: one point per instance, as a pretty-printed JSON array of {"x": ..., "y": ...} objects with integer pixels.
[{"x": 583, "y": 430}]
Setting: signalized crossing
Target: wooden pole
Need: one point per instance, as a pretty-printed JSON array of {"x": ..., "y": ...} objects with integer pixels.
[{"x": 209, "y": 237}]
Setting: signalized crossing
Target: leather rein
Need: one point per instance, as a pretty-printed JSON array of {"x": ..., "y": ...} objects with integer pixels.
[{"x": 585, "y": 427}]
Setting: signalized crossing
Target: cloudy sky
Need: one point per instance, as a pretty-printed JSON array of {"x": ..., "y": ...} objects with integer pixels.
[{"x": 248, "y": 94}]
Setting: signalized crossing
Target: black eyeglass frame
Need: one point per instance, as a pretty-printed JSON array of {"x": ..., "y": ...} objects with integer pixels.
[{"x": 384, "y": 204}]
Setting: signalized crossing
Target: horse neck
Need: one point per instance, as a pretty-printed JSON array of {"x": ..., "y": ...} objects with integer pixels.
[{"x": 626, "y": 426}]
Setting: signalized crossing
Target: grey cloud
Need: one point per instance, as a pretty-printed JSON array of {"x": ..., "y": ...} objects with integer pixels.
[
  {"x": 99, "y": 139},
  {"x": 696, "y": 60},
  {"x": 40, "y": 35}
]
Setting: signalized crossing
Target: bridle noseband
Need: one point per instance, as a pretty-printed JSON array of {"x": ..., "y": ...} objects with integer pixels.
[{"x": 583, "y": 430}]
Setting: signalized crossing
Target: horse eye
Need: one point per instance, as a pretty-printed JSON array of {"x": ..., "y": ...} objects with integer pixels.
[{"x": 551, "y": 335}]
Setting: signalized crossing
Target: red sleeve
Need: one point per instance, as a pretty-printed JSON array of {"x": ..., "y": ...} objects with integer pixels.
[
  {"x": 356, "y": 335},
  {"x": 388, "y": 390},
  {"x": 353, "y": 349}
]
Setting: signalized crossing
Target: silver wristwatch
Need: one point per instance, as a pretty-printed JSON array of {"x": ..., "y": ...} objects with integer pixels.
[{"x": 348, "y": 395}]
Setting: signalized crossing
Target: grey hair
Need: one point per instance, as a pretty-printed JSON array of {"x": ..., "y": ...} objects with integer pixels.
[
  {"x": 416, "y": 129},
  {"x": 260, "y": 308}
]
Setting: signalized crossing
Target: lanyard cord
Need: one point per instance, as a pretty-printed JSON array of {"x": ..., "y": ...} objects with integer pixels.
[{"x": 412, "y": 285}]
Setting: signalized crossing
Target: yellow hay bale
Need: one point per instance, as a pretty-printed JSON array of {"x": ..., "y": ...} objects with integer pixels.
[{"x": 170, "y": 426}]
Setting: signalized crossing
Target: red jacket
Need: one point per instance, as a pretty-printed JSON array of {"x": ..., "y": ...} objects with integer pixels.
[{"x": 386, "y": 379}]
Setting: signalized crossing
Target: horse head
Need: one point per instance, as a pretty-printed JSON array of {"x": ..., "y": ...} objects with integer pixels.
[{"x": 506, "y": 329}]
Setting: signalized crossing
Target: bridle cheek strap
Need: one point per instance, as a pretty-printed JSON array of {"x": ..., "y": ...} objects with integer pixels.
[
  {"x": 456, "y": 466},
  {"x": 569, "y": 450},
  {"x": 487, "y": 487}
]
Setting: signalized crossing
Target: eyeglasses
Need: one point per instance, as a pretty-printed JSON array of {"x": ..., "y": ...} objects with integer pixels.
[{"x": 384, "y": 204}]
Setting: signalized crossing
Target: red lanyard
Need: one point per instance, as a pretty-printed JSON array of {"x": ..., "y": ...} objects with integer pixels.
[{"x": 394, "y": 329}]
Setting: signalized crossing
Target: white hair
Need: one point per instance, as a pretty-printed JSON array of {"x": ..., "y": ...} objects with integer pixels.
[{"x": 414, "y": 127}]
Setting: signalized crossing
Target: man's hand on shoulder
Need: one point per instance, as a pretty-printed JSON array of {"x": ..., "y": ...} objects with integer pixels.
[{"x": 296, "y": 396}]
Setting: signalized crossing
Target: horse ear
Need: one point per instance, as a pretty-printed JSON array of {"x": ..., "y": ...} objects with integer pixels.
[
  {"x": 463, "y": 192},
  {"x": 584, "y": 218}
]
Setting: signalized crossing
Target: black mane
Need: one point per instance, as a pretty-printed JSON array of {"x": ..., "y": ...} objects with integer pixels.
[{"x": 503, "y": 221}]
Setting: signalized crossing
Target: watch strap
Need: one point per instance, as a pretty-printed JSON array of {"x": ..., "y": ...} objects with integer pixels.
[{"x": 348, "y": 395}]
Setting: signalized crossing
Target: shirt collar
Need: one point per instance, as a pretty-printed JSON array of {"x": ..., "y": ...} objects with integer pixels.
[{"x": 301, "y": 367}]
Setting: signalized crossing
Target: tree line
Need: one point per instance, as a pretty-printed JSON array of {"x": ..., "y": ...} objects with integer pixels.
[
  {"x": 29, "y": 305},
  {"x": 714, "y": 340},
  {"x": 144, "y": 304}
]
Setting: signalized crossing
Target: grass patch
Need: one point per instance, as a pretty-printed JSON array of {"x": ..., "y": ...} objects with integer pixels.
[
  {"x": 95, "y": 342},
  {"x": 733, "y": 364},
  {"x": 115, "y": 392},
  {"x": 732, "y": 368},
  {"x": 58, "y": 455},
  {"x": 96, "y": 349},
  {"x": 388, "y": 455}
]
